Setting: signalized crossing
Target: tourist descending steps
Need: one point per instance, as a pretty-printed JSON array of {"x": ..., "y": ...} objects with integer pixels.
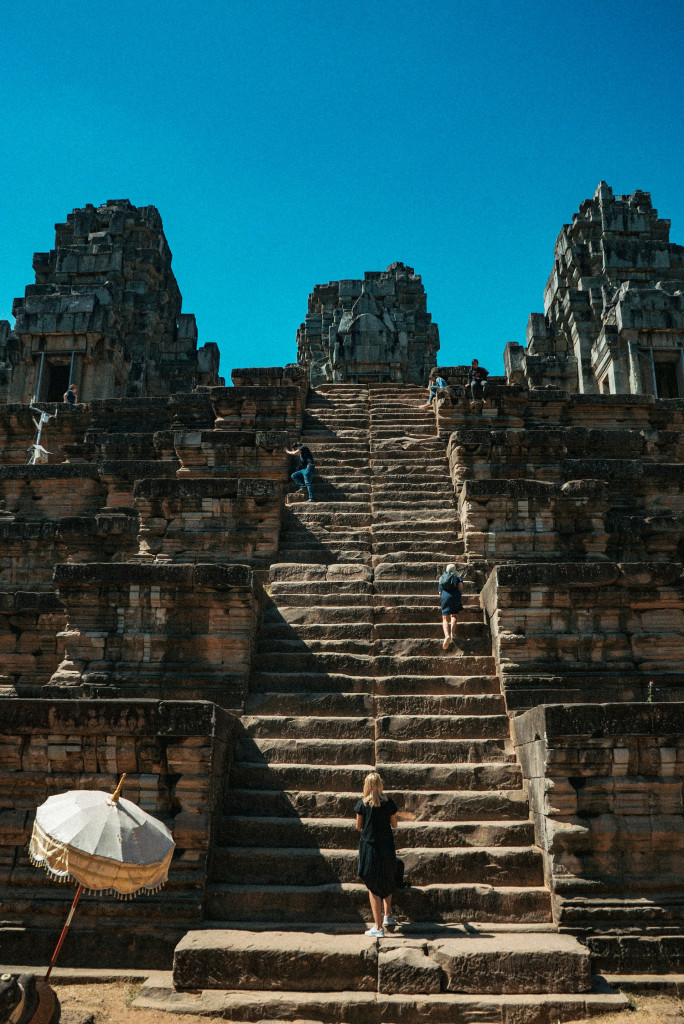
[
  {"x": 450, "y": 587},
  {"x": 376, "y": 816},
  {"x": 435, "y": 385},
  {"x": 303, "y": 475}
]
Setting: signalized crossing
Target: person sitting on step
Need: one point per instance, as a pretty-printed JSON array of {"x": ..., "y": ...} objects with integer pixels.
[
  {"x": 303, "y": 475},
  {"x": 477, "y": 382},
  {"x": 376, "y": 816},
  {"x": 450, "y": 587},
  {"x": 435, "y": 385}
]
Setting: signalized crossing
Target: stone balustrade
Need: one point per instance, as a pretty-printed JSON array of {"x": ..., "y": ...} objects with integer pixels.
[
  {"x": 573, "y": 631},
  {"x": 605, "y": 784},
  {"x": 521, "y": 520},
  {"x": 259, "y": 408},
  {"x": 215, "y": 519},
  {"x": 243, "y": 453},
  {"x": 160, "y": 630}
]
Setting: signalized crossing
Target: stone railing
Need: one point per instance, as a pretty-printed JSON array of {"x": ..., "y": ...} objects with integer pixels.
[
  {"x": 586, "y": 631},
  {"x": 605, "y": 785},
  {"x": 161, "y": 630}
]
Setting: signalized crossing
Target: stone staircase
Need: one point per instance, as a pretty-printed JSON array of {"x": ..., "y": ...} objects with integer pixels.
[{"x": 349, "y": 676}]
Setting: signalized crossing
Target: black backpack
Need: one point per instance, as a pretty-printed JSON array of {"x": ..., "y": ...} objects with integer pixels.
[{"x": 449, "y": 581}]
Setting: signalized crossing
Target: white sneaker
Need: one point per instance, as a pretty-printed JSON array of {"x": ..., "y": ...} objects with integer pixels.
[
  {"x": 389, "y": 922},
  {"x": 447, "y": 643},
  {"x": 375, "y": 933}
]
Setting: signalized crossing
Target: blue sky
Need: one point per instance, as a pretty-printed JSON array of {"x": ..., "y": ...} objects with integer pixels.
[{"x": 292, "y": 142}]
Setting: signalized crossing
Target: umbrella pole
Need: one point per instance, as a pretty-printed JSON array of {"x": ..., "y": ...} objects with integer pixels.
[{"x": 65, "y": 929}]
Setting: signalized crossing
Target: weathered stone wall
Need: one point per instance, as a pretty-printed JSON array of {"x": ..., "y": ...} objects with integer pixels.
[
  {"x": 175, "y": 754},
  {"x": 137, "y": 630},
  {"x": 191, "y": 479},
  {"x": 605, "y": 784}
]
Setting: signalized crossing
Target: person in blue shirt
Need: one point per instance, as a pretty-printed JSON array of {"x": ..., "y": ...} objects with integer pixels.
[
  {"x": 304, "y": 473},
  {"x": 436, "y": 383},
  {"x": 70, "y": 396},
  {"x": 450, "y": 587}
]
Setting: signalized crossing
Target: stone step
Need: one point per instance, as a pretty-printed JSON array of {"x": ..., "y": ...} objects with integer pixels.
[
  {"x": 277, "y": 614},
  {"x": 355, "y": 1006},
  {"x": 442, "y": 751},
  {"x": 435, "y": 556},
  {"x": 361, "y": 705},
  {"x": 348, "y": 901},
  {"x": 429, "y": 599},
  {"x": 309, "y": 727},
  {"x": 388, "y": 485},
  {"x": 430, "y": 631},
  {"x": 339, "y": 833},
  {"x": 293, "y": 596},
  {"x": 324, "y": 505},
  {"x": 428, "y": 778},
  {"x": 453, "y": 704},
  {"x": 306, "y": 751},
  {"x": 394, "y": 727},
  {"x": 295, "y": 866},
  {"x": 395, "y": 617},
  {"x": 441, "y": 727},
  {"x": 407, "y": 499},
  {"x": 315, "y": 682},
  {"x": 352, "y": 705},
  {"x": 402, "y": 543},
  {"x": 425, "y": 613},
  {"x": 343, "y": 518},
  {"x": 390, "y": 637},
  {"x": 432, "y": 806},
  {"x": 359, "y": 664},
  {"x": 328, "y": 555}
]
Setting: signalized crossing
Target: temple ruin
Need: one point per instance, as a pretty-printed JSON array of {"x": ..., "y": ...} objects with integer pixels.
[
  {"x": 169, "y": 609},
  {"x": 368, "y": 331},
  {"x": 613, "y": 321},
  {"x": 105, "y": 313}
]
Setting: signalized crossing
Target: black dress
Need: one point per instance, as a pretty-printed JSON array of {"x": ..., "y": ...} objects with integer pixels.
[{"x": 377, "y": 859}]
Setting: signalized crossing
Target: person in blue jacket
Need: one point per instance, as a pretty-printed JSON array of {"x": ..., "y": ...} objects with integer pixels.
[{"x": 450, "y": 588}]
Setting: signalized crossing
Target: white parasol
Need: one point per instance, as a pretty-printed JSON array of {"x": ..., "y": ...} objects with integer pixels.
[{"x": 104, "y": 843}]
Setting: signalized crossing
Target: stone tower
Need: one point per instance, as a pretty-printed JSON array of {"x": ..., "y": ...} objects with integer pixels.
[
  {"x": 377, "y": 329},
  {"x": 613, "y": 320},
  {"x": 105, "y": 314}
]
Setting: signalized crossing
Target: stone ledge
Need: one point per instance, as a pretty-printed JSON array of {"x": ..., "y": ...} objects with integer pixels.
[
  {"x": 222, "y": 487},
  {"x": 553, "y": 721},
  {"x": 24, "y": 715},
  {"x": 143, "y": 574}
]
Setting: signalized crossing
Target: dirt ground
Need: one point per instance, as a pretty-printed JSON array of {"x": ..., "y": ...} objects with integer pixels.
[{"x": 111, "y": 1004}]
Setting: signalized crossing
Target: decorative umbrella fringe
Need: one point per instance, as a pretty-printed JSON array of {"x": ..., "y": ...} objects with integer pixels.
[{"x": 67, "y": 877}]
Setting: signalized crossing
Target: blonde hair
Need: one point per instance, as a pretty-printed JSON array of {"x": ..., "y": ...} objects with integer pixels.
[{"x": 372, "y": 790}]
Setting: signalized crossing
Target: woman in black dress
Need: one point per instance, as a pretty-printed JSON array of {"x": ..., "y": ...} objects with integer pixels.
[{"x": 376, "y": 816}]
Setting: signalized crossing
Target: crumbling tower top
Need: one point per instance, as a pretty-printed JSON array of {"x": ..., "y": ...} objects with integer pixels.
[
  {"x": 613, "y": 320},
  {"x": 104, "y": 313},
  {"x": 369, "y": 330}
]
